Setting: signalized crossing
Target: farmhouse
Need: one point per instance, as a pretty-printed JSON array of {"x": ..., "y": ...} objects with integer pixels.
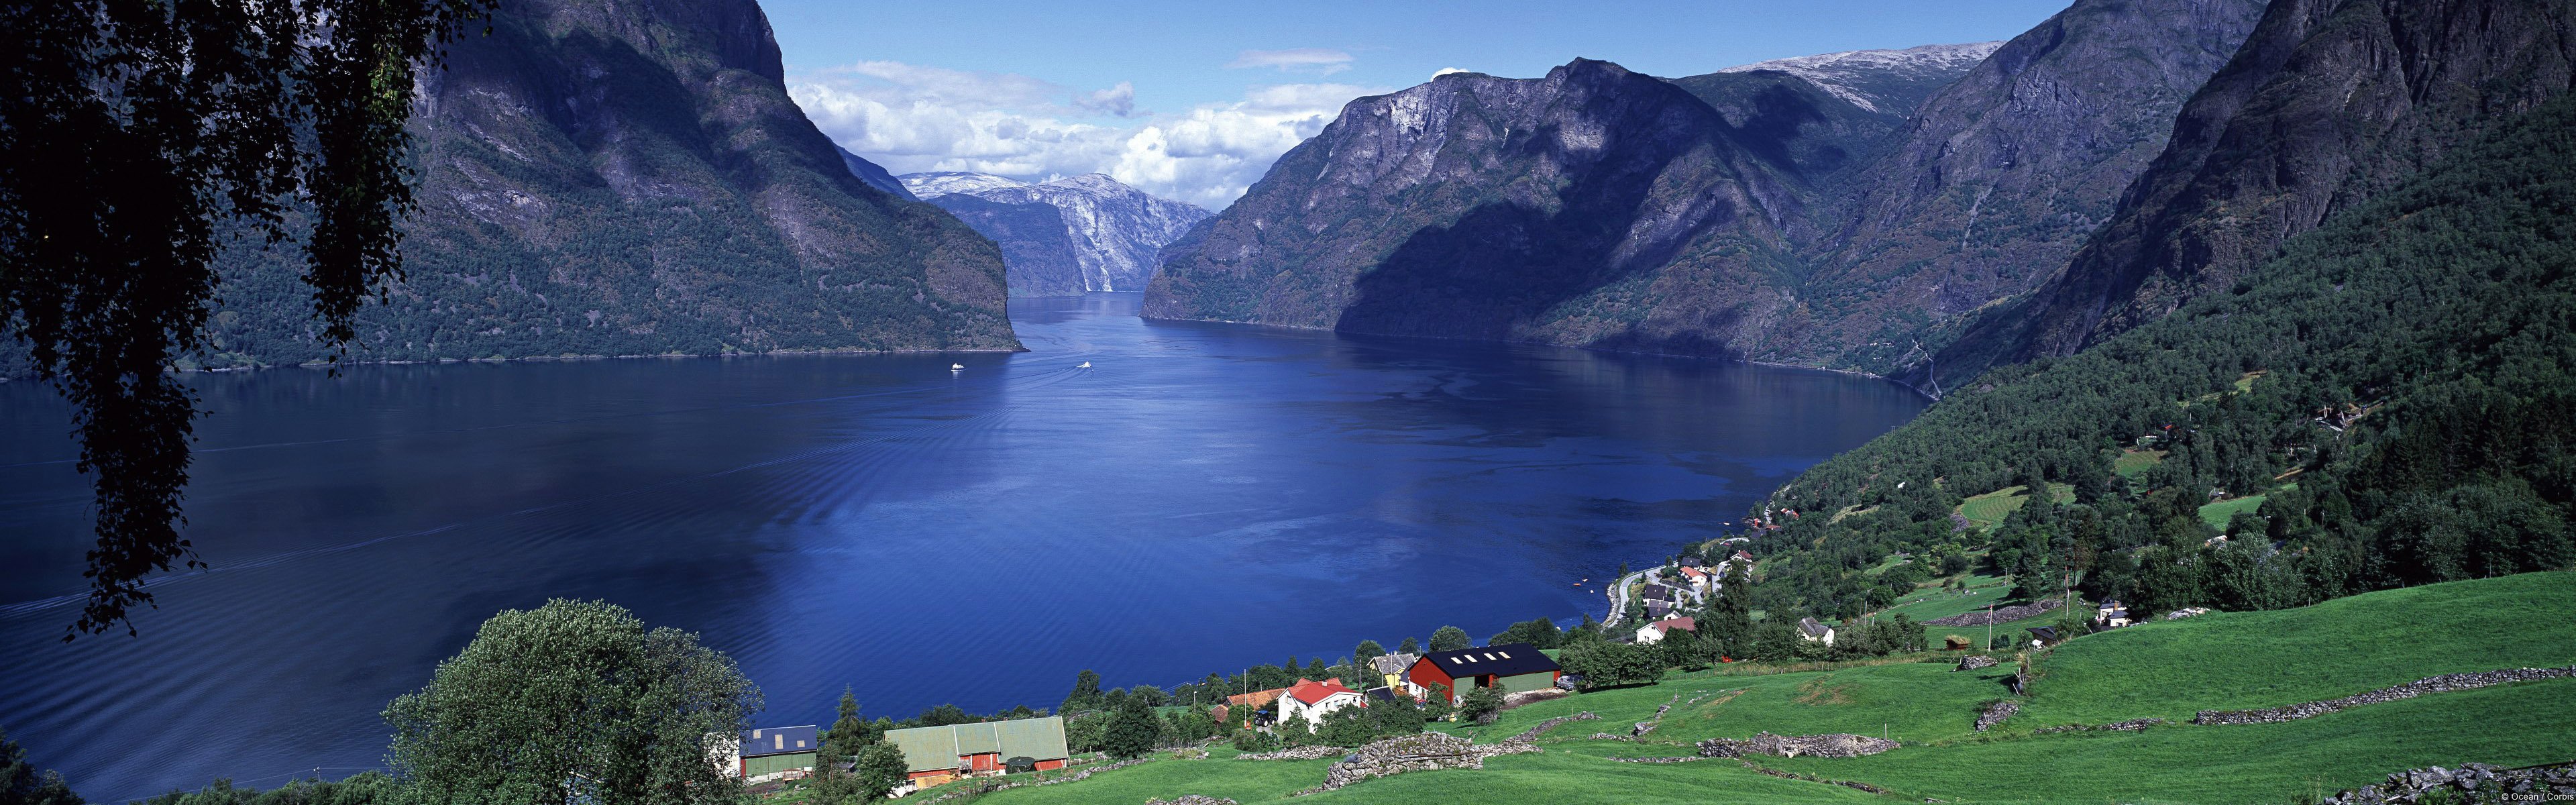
[
  {"x": 1697, "y": 578},
  {"x": 2111, "y": 615},
  {"x": 1314, "y": 700},
  {"x": 1392, "y": 667},
  {"x": 934, "y": 755},
  {"x": 1654, "y": 632},
  {"x": 773, "y": 753},
  {"x": 1512, "y": 667},
  {"x": 1247, "y": 706},
  {"x": 1815, "y": 632}
]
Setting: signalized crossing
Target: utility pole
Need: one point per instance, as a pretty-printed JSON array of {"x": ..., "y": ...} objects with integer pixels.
[{"x": 1990, "y": 625}]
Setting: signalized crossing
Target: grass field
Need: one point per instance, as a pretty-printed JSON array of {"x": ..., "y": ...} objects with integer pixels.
[
  {"x": 2167, "y": 669},
  {"x": 2217, "y": 514},
  {"x": 1988, "y": 510},
  {"x": 2133, "y": 463}
]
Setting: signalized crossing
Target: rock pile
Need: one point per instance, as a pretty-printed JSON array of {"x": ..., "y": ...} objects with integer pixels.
[
  {"x": 1681, "y": 759},
  {"x": 2002, "y": 615},
  {"x": 2479, "y": 780},
  {"x": 1191, "y": 799},
  {"x": 1604, "y": 736},
  {"x": 2431, "y": 684},
  {"x": 1996, "y": 713},
  {"x": 1829, "y": 745},
  {"x": 1420, "y": 752},
  {"x": 1299, "y": 753},
  {"x": 1641, "y": 729},
  {"x": 2132, "y": 725},
  {"x": 1975, "y": 661},
  {"x": 2186, "y": 612}
]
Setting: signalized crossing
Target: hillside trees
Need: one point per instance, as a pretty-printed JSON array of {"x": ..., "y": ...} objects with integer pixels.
[
  {"x": 1450, "y": 638},
  {"x": 22, "y": 784}
]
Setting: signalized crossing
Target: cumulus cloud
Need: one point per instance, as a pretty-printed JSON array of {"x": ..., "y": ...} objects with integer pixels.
[
  {"x": 912, "y": 118},
  {"x": 1316, "y": 60}
]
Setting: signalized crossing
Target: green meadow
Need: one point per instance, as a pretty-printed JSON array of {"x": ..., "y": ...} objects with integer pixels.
[{"x": 2165, "y": 669}]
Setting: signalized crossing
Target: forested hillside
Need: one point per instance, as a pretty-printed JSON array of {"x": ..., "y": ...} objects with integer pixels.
[{"x": 2395, "y": 387}]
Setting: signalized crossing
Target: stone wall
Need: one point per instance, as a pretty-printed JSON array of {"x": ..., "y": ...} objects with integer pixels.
[
  {"x": 2431, "y": 684},
  {"x": 1191, "y": 799},
  {"x": 1975, "y": 661},
  {"x": 1828, "y": 745},
  {"x": 1421, "y": 752},
  {"x": 1298, "y": 753},
  {"x": 2132, "y": 725},
  {"x": 1532, "y": 733},
  {"x": 2475, "y": 780},
  {"x": 1996, "y": 713}
]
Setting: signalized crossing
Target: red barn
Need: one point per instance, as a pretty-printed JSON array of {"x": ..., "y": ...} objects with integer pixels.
[{"x": 1513, "y": 667}]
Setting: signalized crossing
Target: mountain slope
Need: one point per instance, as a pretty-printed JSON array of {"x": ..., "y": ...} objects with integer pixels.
[
  {"x": 2003, "y": 174},
  {"x": 2329, "y": 103},
  {"x": 874, "y": 175},
  {"x": 1831, "y": 190},
  {"x": 1104, "y": 236},
  {"x": 2386, "y": 400},
  {"x": 631, "y": 178},
  {"x": 1594, "y": 206}
]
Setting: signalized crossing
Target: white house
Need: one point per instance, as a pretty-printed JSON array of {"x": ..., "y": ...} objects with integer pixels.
[
  {"x": 1654, "y": 632},
  {"x": 1314, "y": 700},
  {"x": 2111, "y": 615},
  {"x": 1815, "y": 632}
]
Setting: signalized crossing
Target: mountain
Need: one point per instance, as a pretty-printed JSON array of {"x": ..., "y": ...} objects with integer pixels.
[
  {"x": 1810, "y": 210},
  {"x": 1594, "y": 206},
  {"x": 874, "y": 175},
  {"x": 2002, "y": 175},
  {"x": 2327, "y": 105},
  {"x": 623, "y": 178},
  {"x": 1067, "y": 236}
]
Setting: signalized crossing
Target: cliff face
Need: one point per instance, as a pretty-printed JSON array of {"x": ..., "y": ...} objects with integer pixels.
[
  {"x": 1591, "y": 206},
  {"x": 1064, "y": 237},
  {"x": 631, "y": 178},
  {"x": 1840, "y": 210},
  {"x": 2002, "y": 175},
  {"x": 2329, "y": 103}
]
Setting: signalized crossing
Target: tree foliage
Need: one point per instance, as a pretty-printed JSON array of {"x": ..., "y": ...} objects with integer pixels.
[
  {"x": 572, "y": 702},
  {"x": 133, "y": 136},
  {"x": 22, "y": 784}
]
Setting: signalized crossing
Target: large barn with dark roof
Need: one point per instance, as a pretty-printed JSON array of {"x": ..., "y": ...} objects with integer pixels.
[{"x": 1512, "y": 667}]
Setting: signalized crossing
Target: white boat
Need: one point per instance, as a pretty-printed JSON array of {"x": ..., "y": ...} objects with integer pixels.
[
  {"x": 1085, "y": 365},
  {"x": 956, "y": 366}
]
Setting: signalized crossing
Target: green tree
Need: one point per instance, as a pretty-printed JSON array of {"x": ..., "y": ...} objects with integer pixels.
[
  {"x": 1480, "y": 704},
  {"x": 1085, "y": 695},
  {"x": 574, "y": 701},
  {"x": 881, "y": 770},
  {"x": 1450, "y": 638},
  {"x": 1132, "y": 731},
  {"x": 1409, "y": 647},
  {"x": 21, "y": 784},
  {"x": 1368, "y": 650},
  {"x": 849, "y": 733},
  {"x": 139, "y": 137}
]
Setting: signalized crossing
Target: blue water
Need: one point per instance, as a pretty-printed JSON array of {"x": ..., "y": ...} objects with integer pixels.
[{"x": 1204, "y": 498}]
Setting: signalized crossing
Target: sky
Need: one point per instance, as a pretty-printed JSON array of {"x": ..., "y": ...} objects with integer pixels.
[{"x": 1192, "y": 101}]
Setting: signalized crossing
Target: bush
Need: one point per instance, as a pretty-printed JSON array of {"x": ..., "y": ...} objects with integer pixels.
[{"x": 1480, "y": 704}]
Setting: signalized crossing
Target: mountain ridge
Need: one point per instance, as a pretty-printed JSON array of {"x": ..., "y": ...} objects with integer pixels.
[{"x": 1064, "y": 236}]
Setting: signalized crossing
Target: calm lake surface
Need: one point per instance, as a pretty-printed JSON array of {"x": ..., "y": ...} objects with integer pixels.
[{"x": 1203, "y": 498}]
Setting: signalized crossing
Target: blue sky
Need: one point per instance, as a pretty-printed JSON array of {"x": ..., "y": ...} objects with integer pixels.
[{"x": 1193, "y": 100}]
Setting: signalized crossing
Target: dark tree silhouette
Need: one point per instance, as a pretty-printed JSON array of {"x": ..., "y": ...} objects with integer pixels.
[{"x": 135, "y": 138}]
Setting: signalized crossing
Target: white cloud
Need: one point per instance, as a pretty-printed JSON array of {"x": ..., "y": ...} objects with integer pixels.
[
  {"x": 1317, "y": 60},
  {"x": 912, "y": 118}
]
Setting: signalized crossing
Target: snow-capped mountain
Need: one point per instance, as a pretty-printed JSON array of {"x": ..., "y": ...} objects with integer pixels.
[
  {"x": 1861, "y": 76},
  {"x": 1067, "y": 236}
]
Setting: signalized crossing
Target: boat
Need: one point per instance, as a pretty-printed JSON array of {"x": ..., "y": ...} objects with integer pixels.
[
  {"x": 954, "y": 367},
  {"x": 1085, "y": 365}
]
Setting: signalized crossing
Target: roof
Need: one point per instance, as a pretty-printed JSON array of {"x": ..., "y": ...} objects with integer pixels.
[
  {"x": 1509, "y": 659},
  {"x": 1256, "y": 699},
  {"x": 934, "y": 748},
  {"x": 1313, "y": 692},
  {"x": 1382, "y": 693},
  {"x": 1394, "y": 663},
  {"x": 1654, "y": 591},
  {"x": 1684, "y": 623},
  {"x": 1693, "y": 572},
  {"x": 779, "y": 741},
  {"x": 2044, "y": 632},
  {"x": 1811, "y": 626}
]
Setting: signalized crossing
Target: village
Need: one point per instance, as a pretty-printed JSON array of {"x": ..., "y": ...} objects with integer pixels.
[{"x": 1683, "y": 617}]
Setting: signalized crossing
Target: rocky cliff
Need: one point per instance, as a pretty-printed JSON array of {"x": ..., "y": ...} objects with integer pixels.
[
  {"x": 1999, "y": 177},
  {"x": 2328, "y": 103},
  {"x": 631, "y": 178},
  {"x": 1067, "y": 236},
  {"x": 1812, "y": 210},
  {"x": 1593, "y": 206}
]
